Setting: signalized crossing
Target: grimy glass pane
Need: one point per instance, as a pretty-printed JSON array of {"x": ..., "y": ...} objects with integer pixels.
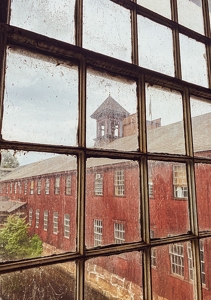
[
  {"x": 201, "y": 121},
  {"x": 172, "y": 277},
  {"x": 40, "y": 100},
  {"x": 205, "y": 253},
  {"x": 169, "y": 214},
  {"x": 36, "y": 205},
  {"x": 51, "y": 282},
  {"x": 203, "y": 187},
  {"x": 52, "y": 18},
  {"x": 112, "y": 202},
  {"x": 111, "y": 112},
  {"x": 155, "y": 46},
  {"x": 193, "y": 61},
  {"x": 188, "y": 12},
  {"x": 164, "y": 114},
  {"x": 161, "y": 7},
  {"x": 115, "y": 277},
  {"x": 107, "y": 28}
]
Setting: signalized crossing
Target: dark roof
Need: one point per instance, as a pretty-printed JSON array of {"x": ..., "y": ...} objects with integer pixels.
[
  {"x": 110, "y": 107},
  {"x": 10, "y": 205}
]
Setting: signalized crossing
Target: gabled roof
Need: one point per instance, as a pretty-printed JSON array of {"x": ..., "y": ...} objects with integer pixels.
[{"x": 110, "y": 107}]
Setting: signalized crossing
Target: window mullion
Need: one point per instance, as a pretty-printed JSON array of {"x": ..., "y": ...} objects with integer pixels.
[
  {"x": 134, "y": 36},
  {"x": 205, "y": 8},
  {"x": 79, "y": 23},
  {"x": 197, "y": 269}
]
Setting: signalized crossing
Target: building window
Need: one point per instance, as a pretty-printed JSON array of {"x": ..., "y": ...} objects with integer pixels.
[
  {"x": 15, "y": 187},
  {"x": 37, "y": 218},
  {"x": 32, "y": 187},
  {"x": 177, "y": 258},
  {"x": 203, "y": 277},
  {"x": 98, "y": 232},
  {"x": 55, "y": 222},
  {"x": 98, "y": 184},
  {"x": 57, "y": 185},
  {"x": 153, "y": 251},
  {"x": 39, "y": 183},
  {"x": 7, "y": 188},
  {"x": 30, "y": 216},
  {"x": 119, "y": 183},
  {"x": 47, "y": 186},
  {"x": 68, "y": 185},
  {"x": 19, "y": 187},
  {"x": 180, "y": 181},
  {"x": 25, "y": 187},
  {"x": 11, "y": 187},
  {"x": 190, "y": 261},
  {"x": 119, "y": 233},
  {"x": 67, "y": 225},
  {"x": 45, "y": 223}
]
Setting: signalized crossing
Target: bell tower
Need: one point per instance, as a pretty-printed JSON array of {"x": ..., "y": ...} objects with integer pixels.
[{"x": 109, "y": 121}]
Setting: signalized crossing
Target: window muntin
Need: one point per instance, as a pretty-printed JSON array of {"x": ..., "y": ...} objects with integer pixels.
[
  {"x": 180, "y": 181},
  {"x": 98, "y": 184},
  {"x": 45, "y": 219},
  {"x": 66, "y": 225},
  {"x": 56, "y": 185},
  {"x": 119, "y": 183},
  {"x": 98, "y": 232},
  {"x": 119, "y": 233},
  {"x": 159, "y": 6},
  {"x": 55, "y": 223},
  {"x": 176, "y": 252},
  {"x": 68, "y": 185},
  {"x": 39, "y": 185},
  {"x": 37, "y": 216}
]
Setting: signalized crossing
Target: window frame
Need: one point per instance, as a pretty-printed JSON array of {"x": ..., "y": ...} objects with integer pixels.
[
  {"x": 55, "y": 222},
  {"x": 98, "y": 184},
  {"x": 98, "y": 232},
  {"x": 119, "y": 182},
  {"x": 67, "y": 226},
  {"x": 119, "y": 232}
]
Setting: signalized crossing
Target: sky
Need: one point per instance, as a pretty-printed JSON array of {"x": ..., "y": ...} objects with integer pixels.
[{"x": 40, "y": 101}]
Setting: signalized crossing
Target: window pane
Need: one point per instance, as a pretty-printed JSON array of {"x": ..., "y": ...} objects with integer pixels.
[
  {"x": 173, "y": 260},
  {"x": 155, "y": 46},
  {"x": 115, "y": 276},
  {"x": 114, "y": 217},
  {"x": 103, "y": 33},
  {"x": 109, "y": 124},
  {"x": 45, "y": 17},
  {"x": 170, "y": 199},
  {"x": 193, "y": 60},
  {"x": 40, "y": 102},
  {"x": 201, "y": 122},
  {"x": 188, "y": 12},
  {"x": 52, "y": 217},
  {"x": 40, "y": 283},
  {"x": 159, "y": 6},
  {"x": 165, "y": 132}
]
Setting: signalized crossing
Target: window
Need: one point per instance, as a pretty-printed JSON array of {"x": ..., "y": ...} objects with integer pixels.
[
  {"x": 177, "y": 259},
  {"x": 47, "y": 186},
  {"x": 55, "y": 222},
  {"x": 39, "y": 183},
  {"x": 153, "y": 251},
  {"x": 37, "y": 218},
  {"x": 15, "y": 187},
  {"x": 68, "y": 185},
  {"x": 31, "y": 187},
  {"x": 67, "y": 225},
  {"x": 190, "y": 261},
  {"x": 30, "y": 216},
  {"x": 25, "y": 187},
  {"x": 98, "y": 232},
  {"x": 119, "y": 183},
  {"x": 45, "y": 223},
  {"x": 203, "y": 275},
  {"x": 119, "y": 233},
  {"x": 20, "y": 187},
  {"x": 98, "y": 184},
  {"x": 7, "y": 188},
  {"x": 57, "y": 185},
  {"x": 11, "y": 187},
  {"x": 180, "y": 181}
]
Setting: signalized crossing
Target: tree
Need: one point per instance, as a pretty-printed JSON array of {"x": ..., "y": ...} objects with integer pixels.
[
  {"x": 15, "y": 242},
  {"x": 8, "y": 160}
]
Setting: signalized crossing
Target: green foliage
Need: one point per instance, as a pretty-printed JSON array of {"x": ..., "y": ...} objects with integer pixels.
[
  {"x": 15, "y": 242},
  {"x": 8, "y": 160}
]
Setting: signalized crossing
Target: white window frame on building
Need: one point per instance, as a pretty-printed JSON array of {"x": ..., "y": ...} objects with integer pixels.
[
  {"x": 31, "y": 186},
  {"x": 39, "y": 186},
  {"x": 57, "y": 185},
  {"x": 153, "y": 251},
  {"x": 98, "y": 184},
  {"x": 47, "y": 186},
  {"x": 20, "y": 187},
  {"x": 67, "y": 226},
  {"x": 119, "y": 183},
  {"x": 98, "y": 232},
  {"x": 176, "y": 252},
  {"x": 119, "y": 233},
  {"x": 30, "y": 216},
  {"x": 25, "y": 187},
  {"x": 202, "y": 261},
  {"x": 190, "y": 261},
  {"x": 45, "y": 220},
  {"x": 55, "y": 222},
  {"x": 37, "y": 218},
  {"x": 180, "y": 181},
  {"x": 68, "y": 185}
]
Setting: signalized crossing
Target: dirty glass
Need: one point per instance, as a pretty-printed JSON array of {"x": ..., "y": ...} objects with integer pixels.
[
  {"x": 51, "y": 282},
  {"x": 188, "y": 12},
  {"x": 161, "y": 7},
  {"x": 112, "y": 202},
  {"x": 115, "y": 277},
  {"x": 201, "y": 118},
  {"x": 164, "y": 117},
  {"x": 111, "y": 112},
  {"x": 107, "y": 29},
  {"x": 51, "y": 18},
  {"x": 170, "y": 198},
  {"x": 45, "y": 221},
  {"x": 40, "y": 100},
  {"x": 193, "y": 61},
  {"x": 175, "y": 263},
  {"x": 155, "y": 46}
]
